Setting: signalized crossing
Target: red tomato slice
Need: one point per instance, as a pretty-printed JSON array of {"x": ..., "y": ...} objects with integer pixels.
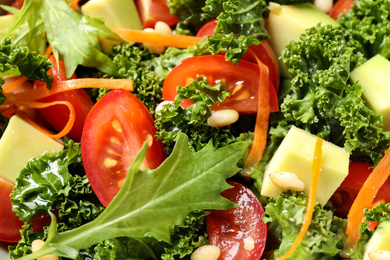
[
  {"x": 242, "y": 80},
  {"x": 229, "y": 229},
  {"x": 152, "y": 11},
  {"x": 113, "y": 134},
  {"x": 57, "y": 116},
  {"x": 349, "y": 188},
  {"x": 263, "y": 51},
  {"x": 9, "y": 222},
  {"x": 341, "y": 7}
]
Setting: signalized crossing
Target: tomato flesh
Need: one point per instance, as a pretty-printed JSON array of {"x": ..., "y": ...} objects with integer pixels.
[
  {"x": 152, "y": 11},
  {"x": 231, "y": 229},
  {"x": 114, "y": 132},
  {"x": 350, "y": 187},
  {"x": 58, "y": 115},
  {"x": 341, "y": 7},
  {"x": 242, "y": 81}
]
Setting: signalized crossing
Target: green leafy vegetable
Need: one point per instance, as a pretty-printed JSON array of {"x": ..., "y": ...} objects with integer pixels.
[
  {"x": 152, "y": 200},
  {"x": 173, "y": 119},
  {"x": 379, "y": 214},
  {"x": 323, "y": 240},
  {"x": 73, "y": 36}
]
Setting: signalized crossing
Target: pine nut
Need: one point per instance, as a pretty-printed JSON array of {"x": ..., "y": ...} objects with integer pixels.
[
  {"x": 287, "y": 181},
  {"x": 162, "y": 28},
  {"x": 324, "y": 5},
  {"x": 161, "y": 106},
  {"x": 36, "y": 245},
  {"x": 379, "y": 255},
  {"x": 223, "y": 117},
  {"x": 249, "y": 243},
  {"x": 207, "y": 252}
]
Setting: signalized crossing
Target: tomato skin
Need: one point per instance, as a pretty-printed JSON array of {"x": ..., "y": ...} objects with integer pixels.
[
  {"x": 229, "y": 228},
  {"x": 152, "y": 11},
  {"x": 341, "y": 7},
  {"x": 9, "y": 222},
  {"x": 114, "y": 132},
  {"x": 57, "y": 116},
  {"x": 263, "y": 51},
  {"x": 244, "y": 100},
  {"x": 350, "y": 187}
]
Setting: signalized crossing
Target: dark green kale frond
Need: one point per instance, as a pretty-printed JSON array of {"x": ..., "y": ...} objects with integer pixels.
[
  {"x": 367, "y": 28},
  {"x": 323, "y": 240},
  {"x": 322, "y": 101},
  {"x": 240, "y": 24},
  {"x": 192, "y": 120}
]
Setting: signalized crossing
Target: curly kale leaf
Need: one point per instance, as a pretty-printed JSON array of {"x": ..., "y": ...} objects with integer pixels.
[
  {"x": 192, "y": 120},
  {"x": 367, "y": 28},
  {"x": 379, "y": 214},
  {"x": 30, "y": 64},
  {"x": 322, "y": 101},
  {"x": 239, "y": 25},
  {"x": 323, "y": 240}
]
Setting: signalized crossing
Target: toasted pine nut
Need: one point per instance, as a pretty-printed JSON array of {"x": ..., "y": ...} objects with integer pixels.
[
  {"x": 324, "y": 5},
  {"x": 36, "y": 245},
  {"x": 379, "y": 255},
  {"x": 162, "y": 28},
  {"x": 223, "y": 117},
  {"x": 207, "y": 252},
  {"x": 287, "y": 181},
  {"x": 161, "y": 106},
  {"x": 249, "y": 243}
]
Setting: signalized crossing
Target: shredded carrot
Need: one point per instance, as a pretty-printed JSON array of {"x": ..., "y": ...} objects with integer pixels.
[
  {"x": 48, "y": 51},
  {"x": 311, "y": 200},
  {"x": 74, "y": 4},
  {"x": 261, "y": 127},
  {"x": 364, "y": 199},
  {"x": 168, "y": 40},
  {"x": 72, "y": 84},
  {"x": 68, "y": 125},
  {"x": 15, "y": 84}
]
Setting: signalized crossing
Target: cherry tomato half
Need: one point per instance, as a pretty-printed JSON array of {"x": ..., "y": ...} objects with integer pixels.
[
  {"x": 152, "y": 11},
  {"x": 114, "y": 132},
  {"x": 242, "y": 81},
  {"x": 344, "y": 196},
  {"x": 263, "y": 51},
  {"x": 239, "y": 232},
  {"x": 340, "y": 7},
  {"x": 57, "y": 116},
  {"x": 9, "y": 222}
]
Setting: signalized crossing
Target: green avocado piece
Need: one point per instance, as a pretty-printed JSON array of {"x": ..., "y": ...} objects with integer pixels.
[
  {"x": 374, "y": 77},
  {"x": 20, "y": 142},
  {"x": 295, "y": 155},
  {"x": 380, "y": 240},
  {"x": 286, "y": 22}
]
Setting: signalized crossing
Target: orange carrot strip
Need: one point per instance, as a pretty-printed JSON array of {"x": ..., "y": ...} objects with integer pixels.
[
  {"x": 68, "y": 125},
  {"x": 74, "y": 4},
  {"x": 311, "y": 200},
  {"x": 261, "y": 128},
  {"x": 48, "y": 51},
  {"x": 15, "y": 84},
  {"x": 66, "y": 85},
  {"x": 169, "y": 40},
  {"x": 364, "y": 199}
]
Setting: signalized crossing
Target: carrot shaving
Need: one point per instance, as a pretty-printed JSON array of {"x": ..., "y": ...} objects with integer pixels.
[
  {"x": 74, "y": 4},
  {"x": 68, "y": 125},
  {"x": 168, "y": 40},
  {"x": 364, "y": 199},
  {"x": 311, "y": 200},
  {"x": 48, "y": 51},
  {"x": 72, "y": 84},
  {"x": 15, "y": 84},
  {"x": 261, "y": 127}
]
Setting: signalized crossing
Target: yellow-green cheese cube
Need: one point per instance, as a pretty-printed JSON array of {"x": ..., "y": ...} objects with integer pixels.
[
  {"x": 374, "y": 77},
  {"x": 286, "y": 22},
  {"x": 20, "y": 142},
  {"x": 295, "y": 155},
  {"x": 380, "y": 240}
]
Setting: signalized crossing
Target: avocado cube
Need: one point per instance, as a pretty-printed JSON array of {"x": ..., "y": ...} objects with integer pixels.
[
  {"x": 21, "y": 142},
  {"x": 374, "y": 77},
  {"x": 295, "y": 155},
  {"x": 287, "y": 22},
  {"x": 379, "y": 241}
]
